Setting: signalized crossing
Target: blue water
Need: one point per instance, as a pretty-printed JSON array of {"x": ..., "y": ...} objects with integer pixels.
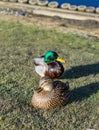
[{"x": 94, "y": 3}]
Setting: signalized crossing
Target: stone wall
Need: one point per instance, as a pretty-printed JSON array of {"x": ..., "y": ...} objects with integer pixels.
[{"x": 64, "y": 6}]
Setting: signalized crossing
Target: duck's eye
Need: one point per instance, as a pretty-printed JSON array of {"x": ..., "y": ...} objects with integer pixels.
[{"x": 49, "y": 57}]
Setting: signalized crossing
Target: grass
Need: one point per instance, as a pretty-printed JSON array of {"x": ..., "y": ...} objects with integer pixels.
[{"x": 19, "y": 44}]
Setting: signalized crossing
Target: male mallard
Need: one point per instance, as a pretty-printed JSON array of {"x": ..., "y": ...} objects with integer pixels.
[
  {"x": 50, "y": 94},
  {"x": 49, "y": 65}
]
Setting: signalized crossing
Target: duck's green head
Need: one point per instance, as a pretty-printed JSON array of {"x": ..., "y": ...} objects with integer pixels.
[{"x": 51, "y": 56}]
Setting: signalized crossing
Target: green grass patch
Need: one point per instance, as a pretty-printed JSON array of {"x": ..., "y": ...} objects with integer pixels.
[{"x": 19, "y": 44}]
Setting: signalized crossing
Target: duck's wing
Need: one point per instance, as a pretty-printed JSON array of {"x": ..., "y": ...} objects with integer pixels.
[
  {"x": 40, "y": 66},
  {"x": 60, "y": 85},
  {"x": 38, "y": 61}
]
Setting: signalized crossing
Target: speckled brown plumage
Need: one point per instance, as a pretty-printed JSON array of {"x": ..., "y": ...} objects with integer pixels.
[{"x": 58, "y": 96}]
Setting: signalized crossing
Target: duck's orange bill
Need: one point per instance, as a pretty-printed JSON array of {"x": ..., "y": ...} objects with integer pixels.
[{"x": 60, "y": 59}]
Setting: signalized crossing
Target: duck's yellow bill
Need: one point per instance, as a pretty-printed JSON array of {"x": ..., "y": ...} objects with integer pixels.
[{"x": 60, "y": 59}]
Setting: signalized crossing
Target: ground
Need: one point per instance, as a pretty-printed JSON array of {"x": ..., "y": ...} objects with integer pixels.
[
  {"x": 22, "y": 39},
  {"x": 88, "y": 27}
]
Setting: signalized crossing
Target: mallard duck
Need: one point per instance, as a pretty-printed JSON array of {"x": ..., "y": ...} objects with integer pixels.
[
  {"x": 50, "y": 94},
  {"x": 49, "y": 65}
]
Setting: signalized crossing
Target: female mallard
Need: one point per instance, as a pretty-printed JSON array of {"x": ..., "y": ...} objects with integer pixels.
[
  {"x": 50, "y": 94},
  {"x": 49, "y": 65}
]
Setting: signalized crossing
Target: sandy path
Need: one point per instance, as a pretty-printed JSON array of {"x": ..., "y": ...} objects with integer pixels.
[{"x": 90, "y": 28}]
